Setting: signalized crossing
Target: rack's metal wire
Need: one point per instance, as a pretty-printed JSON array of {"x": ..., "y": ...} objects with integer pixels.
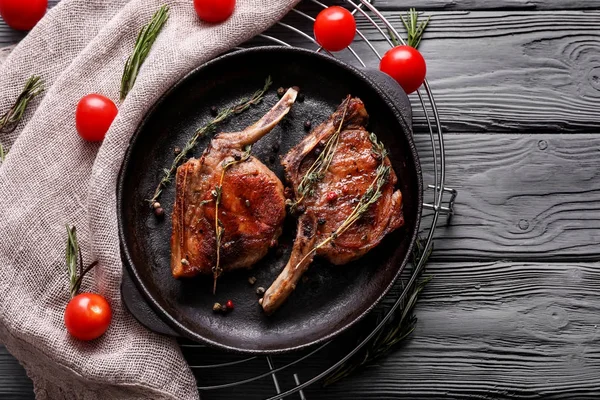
[{"x": 362, "y": 9}]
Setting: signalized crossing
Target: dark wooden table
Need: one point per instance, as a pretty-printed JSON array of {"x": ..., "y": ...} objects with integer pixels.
[{"x": 514, "y": 308}]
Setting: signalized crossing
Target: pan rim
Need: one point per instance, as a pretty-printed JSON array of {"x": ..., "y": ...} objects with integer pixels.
[{"x": 163, "y": 314}]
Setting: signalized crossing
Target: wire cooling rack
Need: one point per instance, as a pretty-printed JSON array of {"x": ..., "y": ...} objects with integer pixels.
[{"x": 296, "y": 27}]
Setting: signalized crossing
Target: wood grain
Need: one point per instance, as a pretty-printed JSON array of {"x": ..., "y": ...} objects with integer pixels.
[
  {"x": 526, "y": 72},
  {"x": 521, "y": 197},
  {"x": 510, "y": 77},
  {"x": 490, "y": 70},
  {"x": 496, "y": 331},
  {"x": 499, "y": 330},
  {"x": 451, "y": 5},
  {"x": 9, "y": 36},
  {"x": 14, "y": 383}
]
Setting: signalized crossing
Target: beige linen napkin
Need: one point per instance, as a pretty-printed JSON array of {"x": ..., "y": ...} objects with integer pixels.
[{"x": 51, "y": 177}]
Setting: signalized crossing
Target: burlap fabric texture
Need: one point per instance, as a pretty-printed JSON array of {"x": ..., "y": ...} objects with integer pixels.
[{"x": 51, "y": 178}]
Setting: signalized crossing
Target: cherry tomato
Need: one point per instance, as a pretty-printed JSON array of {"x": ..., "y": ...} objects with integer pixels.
[
  {"x": 87, "y": 316},
  {"x": 95, "y": 113},
  {"x": 214, "y": 11},
  {"x": 335, "y": 28},
  {"x": 22, "y": 14},
  {"x": 406, "y": 65}
]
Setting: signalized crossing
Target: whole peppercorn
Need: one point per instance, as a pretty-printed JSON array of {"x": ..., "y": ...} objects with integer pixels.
[
  {"x": 260, "y": 291},
  {"x": 177, "y": 150},
  {"x": 229, "y": 305},
  {"x": 307, "y": 125},
  {"x": 159, "y": 212},
  {"x": 214, "y": 111},
  {"x": 280, "y": 92}
]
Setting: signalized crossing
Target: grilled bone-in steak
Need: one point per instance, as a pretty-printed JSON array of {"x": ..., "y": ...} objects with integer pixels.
[
  {"x": 251, "y": 206},
  {"x": 351, "y": 172}
]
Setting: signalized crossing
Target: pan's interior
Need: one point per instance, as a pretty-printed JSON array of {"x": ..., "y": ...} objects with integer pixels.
[{"x": 330, "y": 297}]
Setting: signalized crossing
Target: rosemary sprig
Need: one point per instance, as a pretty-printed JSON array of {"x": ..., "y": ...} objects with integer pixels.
[
  {"x": 75, "y": 260},
  {"x": 370, "y": 197},
  {"x": 219, "y": 228},
  {"x": 10, "y": 119},
  {"x": 402, "y": 324},
  {"x": 143, "y": 44},
  {"x": 317, "y": 170},
  {"x": 240, "y": 107},
  {"x": 414, "y": 29}
]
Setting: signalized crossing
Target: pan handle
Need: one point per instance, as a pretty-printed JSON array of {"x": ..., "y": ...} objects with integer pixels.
[
  {"x": 135, "y": 303},
  {"x": 399, "y": 98}
]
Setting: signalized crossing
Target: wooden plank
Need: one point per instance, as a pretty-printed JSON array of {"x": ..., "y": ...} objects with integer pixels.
[
  {"x": 499, "y": 330},
  {"x": 502, "y": 71},
  {"x": 486, "y": 330},
  {"x": 452, "y": 5},
  {"x": 492, "y": 330},
  {"x": 9, "y": 36},
  {"x": 473, "y": 5},
  {"x": 497, "y": 71},
  {"x": 521, "y": 197},
  {"x": 495, "y": 331},
  {"x": 14, "y": 383},
  {"x": 546, "y": 208}
]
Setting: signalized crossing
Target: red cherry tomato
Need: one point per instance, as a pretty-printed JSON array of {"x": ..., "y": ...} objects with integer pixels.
[
  {"x": 335, "y": 28},
  {"x": 406, "y": 65},
  {"x": 214, "y": 11},
  {"x": 22, "y": 14},
  {"x": 87, "y": 316},
  {"x": 95, "y": 113}
]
